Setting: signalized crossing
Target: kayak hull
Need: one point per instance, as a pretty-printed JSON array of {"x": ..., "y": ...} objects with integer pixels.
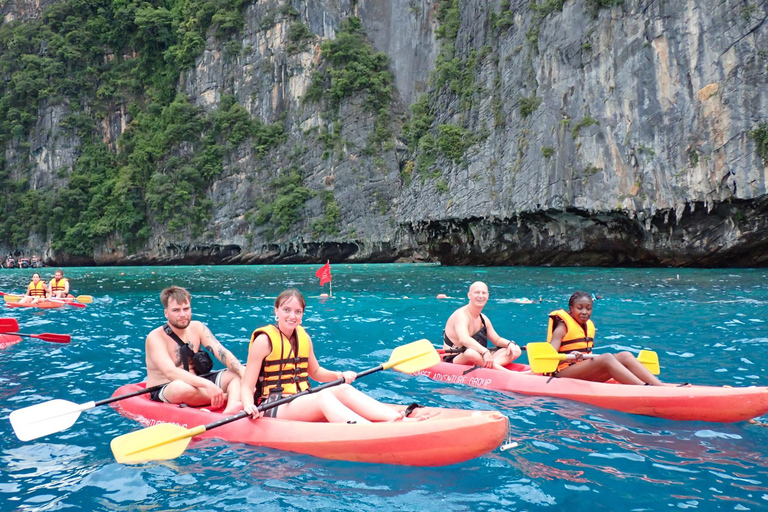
[
  {"x": 6, "y": 340},
  {"x": 43, "y": 304},
  {"x": 689, "y": 403},
  {"x": 431, "y": 442}
]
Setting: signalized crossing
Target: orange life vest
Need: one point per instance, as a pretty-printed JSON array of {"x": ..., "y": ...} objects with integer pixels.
[
  {"x": 284, "y": 367},
  {"x": 37, "y": 290},
  {"x": 58, "y": 286},
  {"x": 575, "y": 339}
]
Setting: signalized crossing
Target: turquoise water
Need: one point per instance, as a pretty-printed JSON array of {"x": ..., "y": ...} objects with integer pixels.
[{"x": 708, "y": 326}]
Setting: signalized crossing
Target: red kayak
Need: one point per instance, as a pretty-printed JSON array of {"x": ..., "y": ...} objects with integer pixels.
[
  {"x": 696, "y": 403},
  {"x": 6, "y": 340},
  {"x": 43, "y": 304},
  {"x": 447, "y": 436}
]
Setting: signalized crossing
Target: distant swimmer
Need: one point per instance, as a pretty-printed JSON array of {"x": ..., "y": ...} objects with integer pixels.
[
  {"x": 525, "y": 300},
  {"x": 469, "y": 330}
]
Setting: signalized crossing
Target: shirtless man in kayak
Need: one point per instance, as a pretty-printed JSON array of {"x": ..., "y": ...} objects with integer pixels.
[
  {"x": 469, "y": 330},
  {"x": 183, "y": 365}
]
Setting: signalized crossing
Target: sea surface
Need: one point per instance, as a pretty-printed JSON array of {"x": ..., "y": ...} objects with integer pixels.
[{"x": 708, "y": 327}]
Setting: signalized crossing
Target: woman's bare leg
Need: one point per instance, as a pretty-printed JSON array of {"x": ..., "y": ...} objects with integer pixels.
[
  {"x": 600, "y": 369},
  {"x": 316, "y": 407},
  {"x": 362, "y": 404},
  {"x": 636, "y": 367}
]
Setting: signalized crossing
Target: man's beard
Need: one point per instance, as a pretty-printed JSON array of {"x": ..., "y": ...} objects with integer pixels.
[{"x": 182, "y": 324}]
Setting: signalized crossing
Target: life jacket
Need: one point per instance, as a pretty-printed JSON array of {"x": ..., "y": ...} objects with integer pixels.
[
  {"x": 575, "y": 339},
  {"x": 58, "y": 286},
  {"x": 38, "y": 290},
  {"x": 284, "y": 369}
]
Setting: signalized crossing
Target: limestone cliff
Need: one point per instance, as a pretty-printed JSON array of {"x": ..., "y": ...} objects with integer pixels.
[{"x": 581, "y": 132}]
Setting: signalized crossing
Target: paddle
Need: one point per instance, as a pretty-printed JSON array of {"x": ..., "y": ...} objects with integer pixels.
[
  {"x": 167, "y": 441},
  {"x": 459, "y": 351},
  {"x": 67, "y": 302},
  {"x": 543, "y": 358},
  {"x": 10, "y": 326},
  {"x": 56, "y": 415}
]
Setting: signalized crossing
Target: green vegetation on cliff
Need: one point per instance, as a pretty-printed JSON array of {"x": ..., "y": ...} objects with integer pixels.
[
  {"x": 454, "y": 74},
  {"x": 90, "y": 59},
  {"x": 760, "y": 136},
  {"x": 289, "y": 195},
  {"x": 352, "y": 66}
]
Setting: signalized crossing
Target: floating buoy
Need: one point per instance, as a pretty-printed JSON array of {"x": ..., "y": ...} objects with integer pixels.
[
  {"x": 323, "y": 295},
  {"x": 442, "y": 296},
  {"x": 507, "y": 446}
]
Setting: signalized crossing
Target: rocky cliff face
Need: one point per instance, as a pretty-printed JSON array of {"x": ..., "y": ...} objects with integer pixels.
[
  {"x": 573, "y": 134},
  {"x": 639, "y": 152}
]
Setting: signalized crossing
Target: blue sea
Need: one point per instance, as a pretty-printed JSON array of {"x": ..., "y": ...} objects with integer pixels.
[{"x": 708, "y": 327}]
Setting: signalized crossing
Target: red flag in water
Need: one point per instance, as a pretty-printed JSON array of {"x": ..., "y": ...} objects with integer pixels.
[{"x": 324, "y": 273}]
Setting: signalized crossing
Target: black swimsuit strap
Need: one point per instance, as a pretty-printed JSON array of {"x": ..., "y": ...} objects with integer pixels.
[
  {"x": 186, "y": 350},
  {"x": 480, "y": 336}
]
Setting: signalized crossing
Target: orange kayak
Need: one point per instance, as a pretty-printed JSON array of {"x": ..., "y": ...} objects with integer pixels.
[
  {"x": 6, "y": 340},
  {"x": 447, "y": 436},
  {"x": 43, "y": 304},
  {"x": 695, "y": 403}
]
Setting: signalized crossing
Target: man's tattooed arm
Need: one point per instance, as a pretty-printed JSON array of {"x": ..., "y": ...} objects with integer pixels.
[{"x": 222, "y": 354}]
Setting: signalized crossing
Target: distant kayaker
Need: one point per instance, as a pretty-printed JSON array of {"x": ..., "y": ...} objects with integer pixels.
[
  {"x": 59, "y": 285},
  {"x": 469, "y": 330},
  {"x": 36, "y": 290},
  {"x": 281, "y": 360},
  {"x": 572, "y": 332},
  {"x": 174, "y": 357}
]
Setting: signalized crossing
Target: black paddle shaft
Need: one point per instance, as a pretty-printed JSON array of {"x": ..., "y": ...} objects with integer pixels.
[
  {"x": 492, "y": 349},
  {"x": 139, "y": 392}
]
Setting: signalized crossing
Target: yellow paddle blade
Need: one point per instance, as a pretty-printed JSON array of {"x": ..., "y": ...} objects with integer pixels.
[
  {"x": 85, "y": 299},
  {"x": 413, "y": 357},
  {"x": 650, "y": 360},
  {"x": 159, "y": 442},
  {"x": 543, "y": 357},
  {"x": 11, "y": 298}
]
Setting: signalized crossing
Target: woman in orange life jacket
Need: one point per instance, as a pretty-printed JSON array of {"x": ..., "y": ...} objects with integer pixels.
[
  {"x": 280, "y": 360},
  {"x": 36, "y": 290},
  {"x": 573, "y": 332}
]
